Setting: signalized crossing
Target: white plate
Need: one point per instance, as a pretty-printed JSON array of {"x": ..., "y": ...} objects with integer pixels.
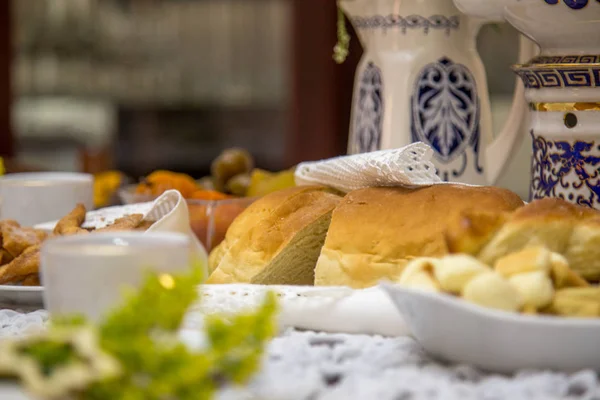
[
  {"x": 12, "y": 391},
  {"x": 105, "y": 216},
  {"x": 454, "y": 330},
  {"x": 12, "y": 296}
]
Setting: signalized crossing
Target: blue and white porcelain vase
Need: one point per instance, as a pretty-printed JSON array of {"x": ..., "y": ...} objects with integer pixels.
[
  {"x": 421, "y": 79},
  {"x": 562, "y": 86}
]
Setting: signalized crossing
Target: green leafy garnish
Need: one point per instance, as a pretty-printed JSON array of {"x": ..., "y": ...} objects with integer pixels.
[
  {"x": 58, "y": 362},
  {"x": 342, "y": 48},
  {"x": 246, "y": 335},
  {"x": 50, "y": 355},
  {"x": 140, "y": 344}
]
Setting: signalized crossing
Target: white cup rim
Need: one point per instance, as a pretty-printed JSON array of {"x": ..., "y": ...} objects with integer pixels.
[
  {"x": 133, "y": 239},
  {"x": 46, "y": 177}
]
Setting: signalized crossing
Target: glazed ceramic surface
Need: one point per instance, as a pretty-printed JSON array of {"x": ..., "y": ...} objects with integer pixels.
[
  {"x": 566, "y": 156},
  {"x": 455, "y": 330},
  {"x": 34, "y": 197},
  {"x": 560, "y": 27},
  {"x": 87, "y": 274},
  {"x": 563, "y": 91},
  {"x": 19, "y": 296},
  {"x": 421, "y": 79}
]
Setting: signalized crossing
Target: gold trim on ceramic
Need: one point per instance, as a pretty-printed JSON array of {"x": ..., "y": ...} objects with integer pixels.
[
  {"x": 568, "y": 59},
  {"x": 564, "y": 107},
  {"x": 542, "y": 67}
]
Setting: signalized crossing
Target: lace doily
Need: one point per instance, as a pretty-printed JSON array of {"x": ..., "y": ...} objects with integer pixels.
[
  {"x": 321, "y": 366},
  {"x": 317, "y": 366},
  {"x": 329, "y": 309},
  {"x": 407, "y": 166},
  {"x": 16, "y": 323}
]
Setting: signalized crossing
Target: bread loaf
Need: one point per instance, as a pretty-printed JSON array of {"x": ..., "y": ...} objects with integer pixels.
[
  {"x": 374, "y": 232},
  {"x": 564, "y": 228},
  {"x": 276, "y": 240}
]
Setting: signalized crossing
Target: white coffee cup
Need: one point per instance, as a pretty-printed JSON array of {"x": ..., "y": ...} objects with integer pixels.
[
  {"x": 34, "y": 197},
  {"x": 86, "y": 274}
]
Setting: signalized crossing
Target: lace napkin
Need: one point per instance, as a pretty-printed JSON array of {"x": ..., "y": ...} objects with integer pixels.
[
  {"x": 170, "y": 211},
  {"x": 408, "y": 166}
]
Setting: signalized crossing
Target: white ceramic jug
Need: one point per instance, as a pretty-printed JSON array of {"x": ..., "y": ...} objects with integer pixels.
[
  {"x": 421, "y": 79},
  {"x": 562, "y": 87}
]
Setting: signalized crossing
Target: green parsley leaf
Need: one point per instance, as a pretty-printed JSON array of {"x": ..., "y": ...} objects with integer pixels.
[{"x": 49, "y": 354}]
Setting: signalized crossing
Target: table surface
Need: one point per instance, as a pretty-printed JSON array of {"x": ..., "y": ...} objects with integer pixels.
[{"x": 305, "y": 365}]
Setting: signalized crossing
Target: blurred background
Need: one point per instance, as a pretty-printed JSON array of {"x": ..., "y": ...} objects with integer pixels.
[{"x": 136, "y": 85}]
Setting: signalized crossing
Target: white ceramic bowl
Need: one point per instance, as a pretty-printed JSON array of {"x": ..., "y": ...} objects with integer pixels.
[
  {"x": 85, "y": 274},
  {"x": 558, "y": 28},
  {"x": 454, "y": 330},
  {"x": 565, "y": 27},
  {"x": 36, "y": 197},
  {"x": 491, "y": 10}
]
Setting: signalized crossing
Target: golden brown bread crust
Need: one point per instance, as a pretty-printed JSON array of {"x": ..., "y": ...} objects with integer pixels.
[
  {"x": 552, "y": 209},
  {"x": 564, "y": 228},
  {"x": 547, "y": 222},
  {"x": 472, "y": 230},
  {"x": 254, "y": 214},
  {"x": 375, "y": 231},
  {"x": 265, "y": 229}
]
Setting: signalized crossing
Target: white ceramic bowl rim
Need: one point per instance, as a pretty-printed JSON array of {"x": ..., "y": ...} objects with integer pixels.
[
  {"x": 125, "y": 239},
  {"x": 49, "y": 177},
  {"x": 548, "y": 320}
]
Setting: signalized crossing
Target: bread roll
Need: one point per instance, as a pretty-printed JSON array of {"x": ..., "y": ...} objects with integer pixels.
[
  {"x": 374, "y": 232},
  {"x": 276, "y": 240},
  {"x": 564, "y": 228}
]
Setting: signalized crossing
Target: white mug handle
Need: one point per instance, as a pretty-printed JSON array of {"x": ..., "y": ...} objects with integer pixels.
[{"x": 510, "y": 137}]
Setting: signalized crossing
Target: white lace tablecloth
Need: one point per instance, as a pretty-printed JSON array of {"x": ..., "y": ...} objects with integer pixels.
[{"x": 305, "y": 365}]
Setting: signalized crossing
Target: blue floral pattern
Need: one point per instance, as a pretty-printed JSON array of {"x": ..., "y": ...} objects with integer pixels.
[
  {"x": 564, "y": 169},
  {"x": 368, "y": 112},
  {"x": 445, "y": 113},
  {"x": 574, "y": 4}
]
